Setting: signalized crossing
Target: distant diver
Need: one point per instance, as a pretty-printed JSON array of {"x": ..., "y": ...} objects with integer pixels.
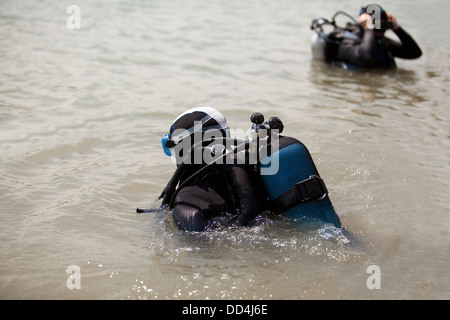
[{"x": 362, "y": 43}]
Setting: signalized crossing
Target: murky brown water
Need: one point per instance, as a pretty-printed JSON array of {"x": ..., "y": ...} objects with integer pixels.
[{"x": 82, "y": 113}]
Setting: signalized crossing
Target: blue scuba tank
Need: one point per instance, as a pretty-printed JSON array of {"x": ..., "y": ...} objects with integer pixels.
[{"x": 296, "y": 189}]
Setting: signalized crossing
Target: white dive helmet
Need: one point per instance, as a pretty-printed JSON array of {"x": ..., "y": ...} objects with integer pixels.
[{"x": 191, "y": 121}]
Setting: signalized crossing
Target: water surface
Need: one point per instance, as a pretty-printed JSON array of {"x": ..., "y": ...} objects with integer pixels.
[{"x": 82, "y": 113}]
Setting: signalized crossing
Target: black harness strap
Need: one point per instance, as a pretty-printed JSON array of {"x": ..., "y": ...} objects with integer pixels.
[{"x": 309, "y": 189}]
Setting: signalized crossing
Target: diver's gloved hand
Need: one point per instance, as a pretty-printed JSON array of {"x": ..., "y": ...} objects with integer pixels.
[
  {"x": 244, "y": 191},
  {"x": 243, "y": 220}
]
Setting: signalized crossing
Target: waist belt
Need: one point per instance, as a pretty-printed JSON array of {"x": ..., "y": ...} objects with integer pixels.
[{"x": 309, "y": 189}]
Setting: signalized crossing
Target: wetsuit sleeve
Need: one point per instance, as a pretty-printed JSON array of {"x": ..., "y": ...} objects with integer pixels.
[
  {"x": 244, "y": 191},
  {"x": 407, "y": 48},
  {"x": 363, "y": 54}
]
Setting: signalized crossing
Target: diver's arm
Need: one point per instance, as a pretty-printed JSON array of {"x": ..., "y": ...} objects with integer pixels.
[
  {"x": 407, "y": 49},
  {"x": 243, "y": 188},
  {"x": 363, "y": 54}
]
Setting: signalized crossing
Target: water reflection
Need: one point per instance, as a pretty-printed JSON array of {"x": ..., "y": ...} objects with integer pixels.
[
  {"x": 378, "y": 93},
  {"x": 371, "y": 85}
]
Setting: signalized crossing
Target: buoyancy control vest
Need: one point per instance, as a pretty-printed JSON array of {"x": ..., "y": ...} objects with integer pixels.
[{"x": 296, "y": 190}]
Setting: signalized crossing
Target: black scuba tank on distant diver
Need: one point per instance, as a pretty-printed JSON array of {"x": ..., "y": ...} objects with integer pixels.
[
  {"x": 324, "y": 42},
  {"x": 294, "y": 187}
]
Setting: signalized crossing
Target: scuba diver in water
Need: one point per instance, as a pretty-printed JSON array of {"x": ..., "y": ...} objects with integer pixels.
[
  {"x": 218, "y": 175},
  {"x": 210, "y": 185},
  {"x": 364, "y": 45}
]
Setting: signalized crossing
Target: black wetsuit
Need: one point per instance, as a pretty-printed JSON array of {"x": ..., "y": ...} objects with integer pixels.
[
  {"x": 372, "y": 52},
  {"x": 218, "y": 190}
]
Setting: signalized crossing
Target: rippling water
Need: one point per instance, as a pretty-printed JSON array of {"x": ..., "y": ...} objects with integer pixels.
[{"x": 82, "y": 113}]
